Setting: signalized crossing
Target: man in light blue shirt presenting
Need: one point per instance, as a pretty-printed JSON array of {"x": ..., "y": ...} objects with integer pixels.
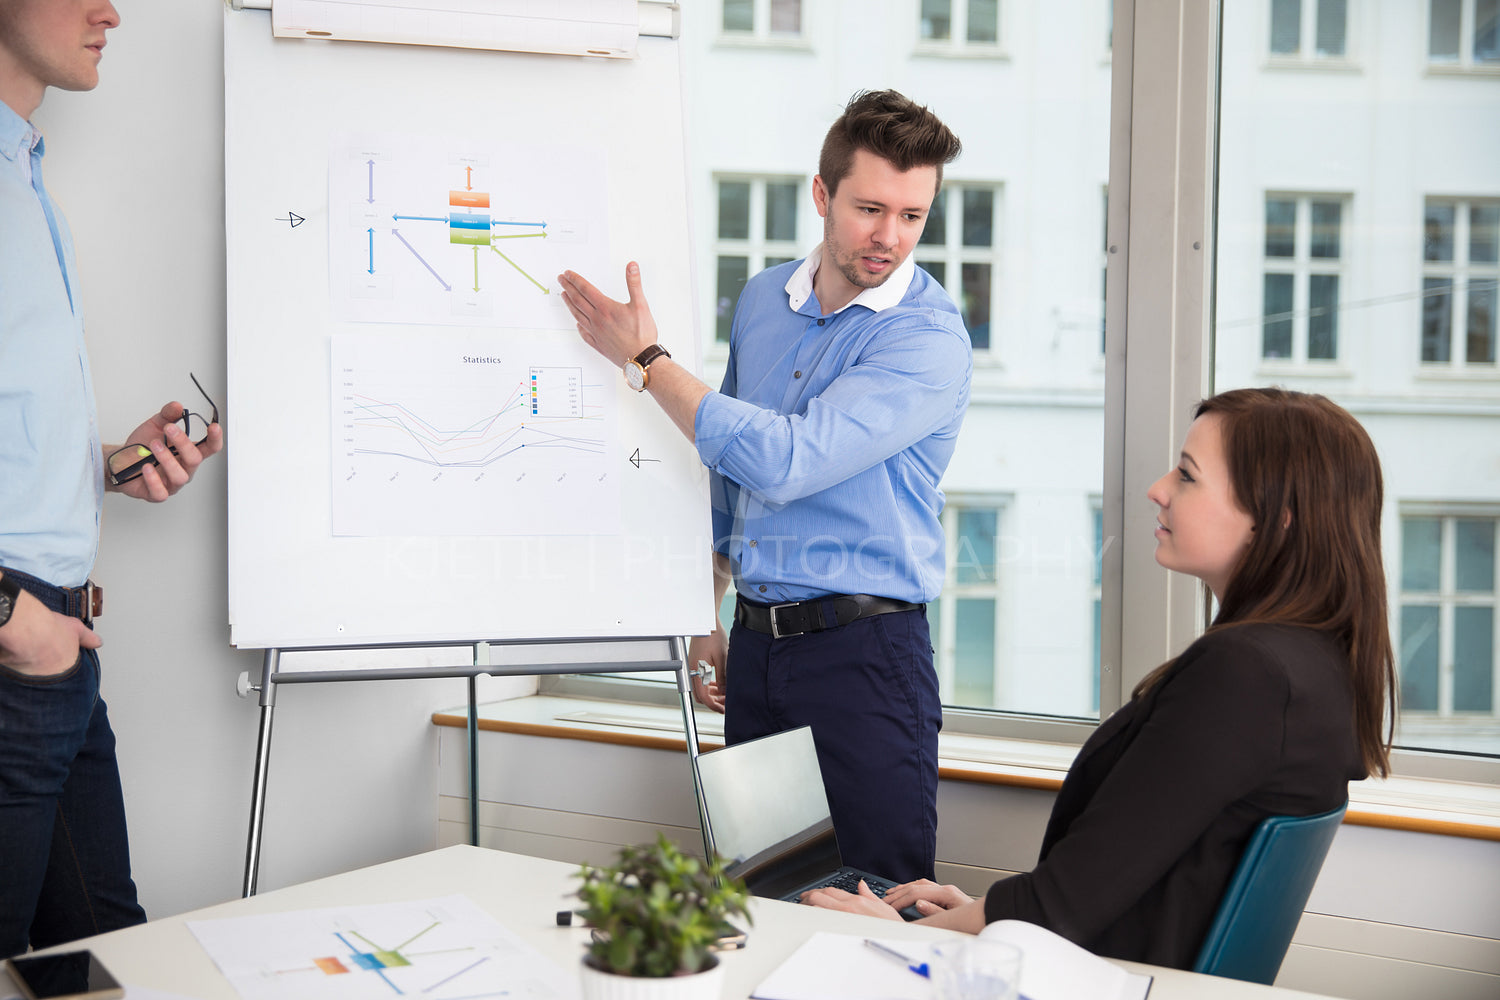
[
  {"x": 64, "y": 863},
  {"x": 847, "y": 382}
]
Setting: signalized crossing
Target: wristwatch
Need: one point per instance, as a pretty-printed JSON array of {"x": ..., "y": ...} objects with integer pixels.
[
  {"x": 636, "y": 375},
  {"x": 10, "y": 593}
]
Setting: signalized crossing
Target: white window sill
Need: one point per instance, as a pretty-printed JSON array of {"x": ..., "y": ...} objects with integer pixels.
[{"x": 1424, "y": 805}]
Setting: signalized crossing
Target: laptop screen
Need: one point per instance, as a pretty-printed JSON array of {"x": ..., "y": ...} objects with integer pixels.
[{"x": 765, "y": 800}]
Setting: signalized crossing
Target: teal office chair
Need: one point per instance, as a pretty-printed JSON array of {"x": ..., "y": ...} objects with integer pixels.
[{"x": 1264, "y": 900}]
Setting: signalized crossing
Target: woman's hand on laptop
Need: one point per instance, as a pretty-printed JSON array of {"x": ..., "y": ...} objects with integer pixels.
[
  {"x": 927, "y": 896},
  {"x": 865, "y": 901}
]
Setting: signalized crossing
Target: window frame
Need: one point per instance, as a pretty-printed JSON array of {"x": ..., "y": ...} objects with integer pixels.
[
  {"x": 760, "y": 33},
  {"x": 1307, "y": 56},
  {"x": 1461, "y": 272},
  {"x": 957, "y": 43},
  {"x": 941, "y": 625},
  {"x": 1465, "y": 64},
  {"x": 755, "y": 248},
  {"x": 954, "y": 254},
  {"x": 1303, "y": 268}
]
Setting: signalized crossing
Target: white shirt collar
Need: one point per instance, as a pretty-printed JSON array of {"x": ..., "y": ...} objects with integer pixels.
[{"x": 799, "y": 287}]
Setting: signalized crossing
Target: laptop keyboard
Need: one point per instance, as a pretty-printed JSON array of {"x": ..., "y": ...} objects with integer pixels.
[{"x": 849, "y": 882}]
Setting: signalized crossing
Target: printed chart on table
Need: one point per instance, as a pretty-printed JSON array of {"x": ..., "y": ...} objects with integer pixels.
[{"x": 442, "y": 949}]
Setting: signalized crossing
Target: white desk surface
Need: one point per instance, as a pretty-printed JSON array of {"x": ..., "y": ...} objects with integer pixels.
[{"x": 525, "y": 894}]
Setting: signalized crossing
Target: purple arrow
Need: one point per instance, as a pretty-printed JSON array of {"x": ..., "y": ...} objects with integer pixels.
[{"x": 397, "y": 233}]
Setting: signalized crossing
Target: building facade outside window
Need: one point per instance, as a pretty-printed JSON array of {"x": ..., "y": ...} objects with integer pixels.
[
  {"x": 965, "y": 618},
  {"x": 1309, "y": 29},
  {"x": 1303, "y": 261},
  {"x": 756, "y": 228},
  {"x": 1464, "y": 34},
  {"x": 762, "y": 19},
  {"x": 959, "y": 24},
  {"x": 1460, "y": 273},
  {"x": 958, "y": 248},
  {"x": 1447, "y": 629}
]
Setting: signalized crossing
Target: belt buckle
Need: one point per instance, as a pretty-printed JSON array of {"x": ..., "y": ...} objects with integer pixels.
[
  {"x": 776, "y": 632},
  {"x": 92, "y": 603}
]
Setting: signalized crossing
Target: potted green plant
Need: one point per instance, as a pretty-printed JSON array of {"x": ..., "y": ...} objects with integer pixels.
[{"x": 656, "y": 914}]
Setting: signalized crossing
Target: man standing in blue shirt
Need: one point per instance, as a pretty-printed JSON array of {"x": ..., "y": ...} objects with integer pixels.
[
  {"x": 848, "y": 379},
  {"x": 64, "y": 863}
]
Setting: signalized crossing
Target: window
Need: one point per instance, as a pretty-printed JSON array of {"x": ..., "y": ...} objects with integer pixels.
[
  {"x": 1464, "y": 33},
  {"x": 1300, "y": 290},
  {"x": 958, "y": 248},
  {"x": 965, "y": 619},
  {"x": 959, "y": 23},
  {"x": 762, "y": 19},
  {"x": 756, "y": 227},
  {"x": 1460, "y": 271},
  {"x": 1308, "y": 29},
  {"x": 1447, "y": 652}
]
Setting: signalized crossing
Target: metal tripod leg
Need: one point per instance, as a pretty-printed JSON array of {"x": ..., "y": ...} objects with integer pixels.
[{"x": 262, "y": 769}]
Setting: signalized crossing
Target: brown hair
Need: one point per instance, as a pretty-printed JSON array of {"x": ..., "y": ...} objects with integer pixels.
[
  {"x": 1307, "y": 474},
  {"x": 891, "y": 126}
]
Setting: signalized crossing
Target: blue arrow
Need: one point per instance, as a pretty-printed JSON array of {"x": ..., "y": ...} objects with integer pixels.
[
  {"x": 499, "y": 222},
  {"x": 423, "y": 218},
  {"x": 372, "y": 250},
  {"x": 397, "y": 233},
  {"x": 371, "y": 199}
]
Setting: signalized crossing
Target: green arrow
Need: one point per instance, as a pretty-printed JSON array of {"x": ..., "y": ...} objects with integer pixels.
[
  {"x": 523, "y": 273},
  {"x": 517, "y": 236}
]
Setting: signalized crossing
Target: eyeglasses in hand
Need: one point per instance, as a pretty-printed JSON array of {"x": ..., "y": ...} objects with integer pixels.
[{"x": 129, "y": 462}]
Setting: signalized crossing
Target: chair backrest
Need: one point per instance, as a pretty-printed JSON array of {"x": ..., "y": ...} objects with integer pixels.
[{"x": 1264, "y": 900}]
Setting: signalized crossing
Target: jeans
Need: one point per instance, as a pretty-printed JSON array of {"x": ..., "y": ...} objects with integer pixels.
[
  {"x": 64, "y": 859},
  {"x": 869, "y": 691}
]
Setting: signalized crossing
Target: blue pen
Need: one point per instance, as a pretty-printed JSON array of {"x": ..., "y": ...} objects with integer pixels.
[{"x": 919, "y": 968}]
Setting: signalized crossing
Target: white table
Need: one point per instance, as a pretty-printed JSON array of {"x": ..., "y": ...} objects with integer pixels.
[{"x": 524, "y": 894}]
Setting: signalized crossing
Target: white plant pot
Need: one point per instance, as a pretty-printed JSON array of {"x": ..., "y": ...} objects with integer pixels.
[{"x": 706, "y": 985}]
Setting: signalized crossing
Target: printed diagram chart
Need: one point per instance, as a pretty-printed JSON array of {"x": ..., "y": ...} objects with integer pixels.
[
  {"x": 442, "y": 949},
  {"x": 460, "y": 233},
  {"x": 472, "y": 434}
]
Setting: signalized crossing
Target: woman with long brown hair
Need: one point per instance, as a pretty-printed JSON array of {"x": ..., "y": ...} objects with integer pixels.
[{"x": 1275, "y": 505}]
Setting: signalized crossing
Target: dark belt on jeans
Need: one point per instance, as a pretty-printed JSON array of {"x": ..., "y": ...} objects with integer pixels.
[
  {"x": 815, "y": 614},
  {"x": 84, "y": 603}
]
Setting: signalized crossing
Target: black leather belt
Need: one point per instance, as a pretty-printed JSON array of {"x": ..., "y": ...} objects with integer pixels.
[
  {"x": 84, "y": 603},
  {"x": 815, "y": 614}
]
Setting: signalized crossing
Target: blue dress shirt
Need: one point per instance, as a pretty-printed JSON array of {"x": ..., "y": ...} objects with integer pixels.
[
  {"x": 51, "y": 475},
  {"x": 830, "y": 434}
]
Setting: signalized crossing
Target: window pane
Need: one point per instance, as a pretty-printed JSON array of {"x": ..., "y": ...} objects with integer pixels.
[
  {"x": 786, "y": 17},
  {"x": 1276, "y": 334},
  {"x": 1474, "y": 552},
  {"x": 733, "y": 272},
  {"x": 1281, "y": 227},
  {"x": 1286, "y": 26},
  {"x": 1419, "y": 658},
  {"x": 1331, "y": 21},
  {"x": 979, "y": 217},
  {"x": 1442, "y": 30},
  {"x": 1479, "y": 348},
  {"x": 1325, "y": 230},
  {"x": 1473, "y": 659},
  {"x": 1437, "y": 243},
  {"x": 773, "y": 261},
  {"x": 974, "y": 561},
  {"x": 1323, "y": 317},
  {"x": 937, "y": 269},
  {"x": 974, "y": 652},
  {"x": 1487, "y": 31},
  {"x": 734, "y": 210},
  {"x": 781, "y": 211},
  {"x": 739, "y": 15},
  {"x": 974, "y": 300},
  {"x": 1421, "y": 553},
  {"x": 1437, "y": 318},
  {"x": 937, "y": 19},
  {"x": 935, "y": 233},
  {"x": 984, "y": 21},
  {"x": 1484, "y": 234}
]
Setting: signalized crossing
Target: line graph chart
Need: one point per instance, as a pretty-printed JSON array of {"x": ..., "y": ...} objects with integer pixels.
[{"x": 472, "y": 435}]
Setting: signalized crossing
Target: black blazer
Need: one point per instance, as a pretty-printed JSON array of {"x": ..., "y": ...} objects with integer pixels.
[{"x": 1251, "y": 721}]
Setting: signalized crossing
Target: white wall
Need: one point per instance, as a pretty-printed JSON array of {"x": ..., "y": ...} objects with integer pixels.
[{"x": 137, "y": 166}]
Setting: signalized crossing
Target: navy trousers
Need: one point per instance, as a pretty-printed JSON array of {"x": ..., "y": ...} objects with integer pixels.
[
  {"x": 870, "y": 693},
  {"x": 64, "y": 859}
]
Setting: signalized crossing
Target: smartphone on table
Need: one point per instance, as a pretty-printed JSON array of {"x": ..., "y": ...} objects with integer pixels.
[{"x": 67, "y": 975}]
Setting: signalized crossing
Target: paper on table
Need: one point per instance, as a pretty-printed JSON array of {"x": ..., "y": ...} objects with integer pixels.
[
  {"x": 841, "y": 967},
  {"x": 1054, "y": 968}
]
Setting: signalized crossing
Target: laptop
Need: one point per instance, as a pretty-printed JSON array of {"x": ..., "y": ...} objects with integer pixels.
[{"x": 766, "y": 811}]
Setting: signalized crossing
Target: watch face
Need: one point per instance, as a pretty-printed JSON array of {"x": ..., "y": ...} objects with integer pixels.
[
  {"x": 6, "y": 607},
  {"x": 635, "y": 376}
]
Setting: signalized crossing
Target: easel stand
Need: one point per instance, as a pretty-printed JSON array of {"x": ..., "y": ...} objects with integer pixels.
[{"x": 271, "y": 676}]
